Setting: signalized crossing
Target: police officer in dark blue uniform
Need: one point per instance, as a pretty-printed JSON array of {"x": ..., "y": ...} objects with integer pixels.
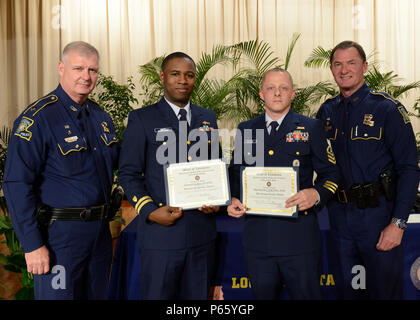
[
  {"x": 375, "y": 147},
  {"x": 176, "y": 246},
  {"x": 285, "y": 250},
  {"x": 57, "y": 183}
]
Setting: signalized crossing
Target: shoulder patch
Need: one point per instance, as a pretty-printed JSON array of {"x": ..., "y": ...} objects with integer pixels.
[
  {"x": 404, "y": 114},
  {"x": 22, "y": 129},
  {"x": 38, "y": 105}
]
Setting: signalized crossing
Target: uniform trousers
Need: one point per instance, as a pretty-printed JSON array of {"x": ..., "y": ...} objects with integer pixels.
[
  {"x": 299, "y": 273},
  {"x": 184, "y": 274},
  {"x": 80, "y": 261},
  {"x": 364, "y": 272}
]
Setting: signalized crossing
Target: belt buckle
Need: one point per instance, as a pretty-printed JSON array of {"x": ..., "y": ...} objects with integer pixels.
[
  {"x": 343, "y": 193},
  {"x": 86, "y": 214}
]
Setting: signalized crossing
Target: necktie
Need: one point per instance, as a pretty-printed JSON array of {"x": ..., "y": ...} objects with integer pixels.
[
  {"x": 345, "y": 133},
  {"x": 273, "y": 125},
  {"x": 183, "y": 116},
  {"x": 101, "y": 168}
]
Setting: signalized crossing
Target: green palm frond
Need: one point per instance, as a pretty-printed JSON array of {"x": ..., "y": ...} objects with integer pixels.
[
  {"x": 379, "y": 81},
  {"x": 319, "y": 58},
  {"x": 307, "y": 97},
  {"x": 290, "y": 48},
  {"x": 257, "y": 52},
  {"x": 402, "y": 90},
  {"x": 150, "y": 81},
  {"x": 385, "y": 82},
  {"x": 219, "y": 55},
  {"x": 150, "y": 72}
]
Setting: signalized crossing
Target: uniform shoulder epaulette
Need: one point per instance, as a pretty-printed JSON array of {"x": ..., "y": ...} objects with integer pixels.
[
  {"x": 398, "y": 105},
  {"x": 331, "y": 98},
  {"x": 385, "y": 96},
  {"x": 38, "y": 105}
]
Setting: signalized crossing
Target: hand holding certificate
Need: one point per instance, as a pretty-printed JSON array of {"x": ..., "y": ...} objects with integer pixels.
[
  {"x": 191, "y": 185},
  {"x": 266, "y": 189}
]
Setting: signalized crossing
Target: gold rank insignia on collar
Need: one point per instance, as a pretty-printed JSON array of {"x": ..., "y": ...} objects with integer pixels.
[{"x": 367, "y": 120}]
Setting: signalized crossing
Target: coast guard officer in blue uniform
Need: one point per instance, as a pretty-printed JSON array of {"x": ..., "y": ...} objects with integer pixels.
[
  {"x": 280, "y": 250},
  {"x": 176, "y": 246},
  {"x": 375, "y": 147},
  {"x": 60, "y": 160}
]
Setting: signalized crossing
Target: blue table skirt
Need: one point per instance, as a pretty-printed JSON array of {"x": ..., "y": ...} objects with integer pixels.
[{"x": 231, "y": 274}]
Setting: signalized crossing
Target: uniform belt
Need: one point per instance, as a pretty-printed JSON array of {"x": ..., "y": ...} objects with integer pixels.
[
  {"x": 80, "y": 214},
  {"x": 359, "y": 192}
]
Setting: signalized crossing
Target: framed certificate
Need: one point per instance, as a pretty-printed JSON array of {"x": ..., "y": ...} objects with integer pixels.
[
  {"x": 190, "y": 185},
  {"x": 264, "y": 190}
]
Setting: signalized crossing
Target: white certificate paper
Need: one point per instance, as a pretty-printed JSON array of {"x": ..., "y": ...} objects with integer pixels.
[
  {"x": 190, "y": 185},
  {"x": 264, "y": 190}
]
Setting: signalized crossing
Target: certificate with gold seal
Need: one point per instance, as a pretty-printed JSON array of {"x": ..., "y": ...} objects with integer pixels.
[
  {"x": 264, "y": 190},
  {"x": 190, "y": 185}
]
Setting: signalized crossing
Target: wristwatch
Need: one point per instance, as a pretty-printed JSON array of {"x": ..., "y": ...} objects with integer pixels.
[{"x": 400, "y": 223}]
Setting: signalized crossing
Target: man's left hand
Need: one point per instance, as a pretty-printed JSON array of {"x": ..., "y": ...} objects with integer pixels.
[{"x": 390, "y": 238}]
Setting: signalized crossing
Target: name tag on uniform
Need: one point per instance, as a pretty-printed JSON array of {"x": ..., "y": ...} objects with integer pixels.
[
  {"x": 157, "y": 130},
  {"x": 250, "y": 141},
  {"x": 71, "y": 139}
]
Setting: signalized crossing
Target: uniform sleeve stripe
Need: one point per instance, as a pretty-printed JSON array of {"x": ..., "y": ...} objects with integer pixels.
[
  {"x": 140, "y": 201},
  {"x": 331, "y": 186},
  {"x": 144, "y": 202}
]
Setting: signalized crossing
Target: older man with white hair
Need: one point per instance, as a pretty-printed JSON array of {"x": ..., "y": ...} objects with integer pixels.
[{"x": 58, "y": 180}]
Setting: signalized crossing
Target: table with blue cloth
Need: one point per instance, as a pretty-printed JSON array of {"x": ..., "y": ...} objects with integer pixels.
[{"x": 231, "y": 273}]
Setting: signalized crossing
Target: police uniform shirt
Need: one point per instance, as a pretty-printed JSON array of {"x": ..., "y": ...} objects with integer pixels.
[
  {"x": 371, "y": 132},
  {"x": 49, "y": 161}
]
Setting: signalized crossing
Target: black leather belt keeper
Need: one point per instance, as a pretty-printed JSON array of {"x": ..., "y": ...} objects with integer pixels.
[{"x": 80, "y": 214}]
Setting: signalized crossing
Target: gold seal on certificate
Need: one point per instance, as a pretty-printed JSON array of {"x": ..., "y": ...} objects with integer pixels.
[
  {"x": 266, "y": 189},
  {"x": 191, "y": 185}
]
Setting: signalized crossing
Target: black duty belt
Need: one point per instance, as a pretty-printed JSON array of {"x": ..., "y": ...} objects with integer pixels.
[
  {"x": 80, "y": 214},
  {"x": 365, "y": 195}
]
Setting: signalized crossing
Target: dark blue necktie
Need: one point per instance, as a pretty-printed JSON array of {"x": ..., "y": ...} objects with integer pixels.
[
  {"x": 93, "y": 147},
  {"x": 183, "y": 117},
  {"x": 273, "y": 125},
  {"x": 345, "y": 127}
]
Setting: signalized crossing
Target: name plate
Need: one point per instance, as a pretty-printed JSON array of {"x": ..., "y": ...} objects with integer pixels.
[
  {"x": 190, "y": 185},
  {"x": 264, "y": 190}
]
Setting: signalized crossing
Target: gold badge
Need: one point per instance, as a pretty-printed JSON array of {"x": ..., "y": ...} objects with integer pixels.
[
  {"x": 368, "y": 120},
  {"x": 105, "y": 127},
  {"x": 270, "y": 152},
  {"x": 296, "y": 163}
]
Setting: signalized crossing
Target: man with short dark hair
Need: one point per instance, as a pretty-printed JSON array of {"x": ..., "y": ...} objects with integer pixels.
[
  {"x": 177, "y": 247},
  {"x": 58, "y": 180},
  {"x": 375, "y": 147}
]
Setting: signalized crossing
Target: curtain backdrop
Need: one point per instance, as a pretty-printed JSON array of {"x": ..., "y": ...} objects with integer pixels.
[{"x": 129, "y": 33}]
